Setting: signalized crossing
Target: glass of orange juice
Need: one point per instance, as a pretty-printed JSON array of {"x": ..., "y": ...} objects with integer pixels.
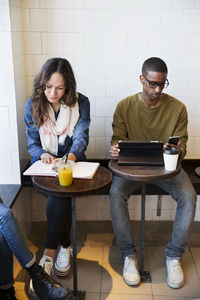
[{"x": 65, "y": 173}]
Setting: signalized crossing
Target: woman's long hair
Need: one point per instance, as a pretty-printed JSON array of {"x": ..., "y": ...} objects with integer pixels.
[{"x": 39, "y": 100}]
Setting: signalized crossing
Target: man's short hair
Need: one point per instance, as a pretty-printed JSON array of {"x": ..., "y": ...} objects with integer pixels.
[{"x": 154, "y": 64}]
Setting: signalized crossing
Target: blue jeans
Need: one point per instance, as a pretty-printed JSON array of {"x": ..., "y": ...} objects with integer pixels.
[
  {"x": 182, "y": 191},
  {"x": 12, "y": 241}
]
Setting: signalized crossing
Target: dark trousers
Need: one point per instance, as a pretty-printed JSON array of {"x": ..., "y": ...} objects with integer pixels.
[{"x": 59, "y": 219}]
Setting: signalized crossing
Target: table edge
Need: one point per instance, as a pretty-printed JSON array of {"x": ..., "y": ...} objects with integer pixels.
[{"x": 140, "y": 178}]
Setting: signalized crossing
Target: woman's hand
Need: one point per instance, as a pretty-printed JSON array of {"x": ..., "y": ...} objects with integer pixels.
[
  {"x": 114, "y": 151},
  {"x": 47, "y": 158},
  {"x": 71, "y": 156}
]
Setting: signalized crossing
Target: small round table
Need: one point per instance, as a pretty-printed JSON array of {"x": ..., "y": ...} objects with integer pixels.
[
  {"x": 143, "y": 174},
  {"x": 79, "y": 187}
]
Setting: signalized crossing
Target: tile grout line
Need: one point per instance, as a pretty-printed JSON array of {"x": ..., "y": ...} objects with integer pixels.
[
  {"x": 189, "y": 249},
  {"x": 147, "y": 255},
  {"x": 101, "y": 274}
]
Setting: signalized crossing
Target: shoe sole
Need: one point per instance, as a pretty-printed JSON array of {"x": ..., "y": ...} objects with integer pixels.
[
  {"x": 32, "y": 293},
  {"x": 129, "y": 283},
  {"x": 61, "y": 273},
  {"x": 175, "y": 285}
]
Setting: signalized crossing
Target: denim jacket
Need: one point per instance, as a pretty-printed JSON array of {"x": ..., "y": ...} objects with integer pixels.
[{"x": 77, "y": 144}]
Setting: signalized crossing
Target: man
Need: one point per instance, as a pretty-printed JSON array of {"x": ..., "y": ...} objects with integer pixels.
[
  {"x": 12, "y": 241},
  {"x": 152, "y": 115}
]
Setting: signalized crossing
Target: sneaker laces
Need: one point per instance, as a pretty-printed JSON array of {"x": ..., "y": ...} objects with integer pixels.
[
  {"x": 45, "y": 277},
  {"x": 175, "y": 264},
  {"x": 131, "y": 265},
  {"x": 63, "y": 253}
]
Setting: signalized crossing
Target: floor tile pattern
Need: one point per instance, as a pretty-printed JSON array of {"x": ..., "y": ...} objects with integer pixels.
[{"x": 100, "y": 265}]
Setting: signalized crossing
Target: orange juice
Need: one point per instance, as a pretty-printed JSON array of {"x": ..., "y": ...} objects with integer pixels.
[{"x": 65, "y": 175}]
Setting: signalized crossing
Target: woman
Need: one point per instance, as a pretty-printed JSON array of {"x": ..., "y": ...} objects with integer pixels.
[{"x": 57, "y": 122}]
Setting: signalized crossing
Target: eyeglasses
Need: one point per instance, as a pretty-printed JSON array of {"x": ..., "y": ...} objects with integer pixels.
[{"x": 154, "y": 84}]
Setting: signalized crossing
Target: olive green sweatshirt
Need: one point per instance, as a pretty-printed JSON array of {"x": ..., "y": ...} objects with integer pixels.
[{"x": 133, "y": 120}]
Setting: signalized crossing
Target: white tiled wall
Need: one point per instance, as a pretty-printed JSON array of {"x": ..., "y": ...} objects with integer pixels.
[
  {"x": 17, "y": 25},
  {"x": 97, "y": 208},
  {"x": 106, "y": 42},
  {"x": 9, "y": 152}
]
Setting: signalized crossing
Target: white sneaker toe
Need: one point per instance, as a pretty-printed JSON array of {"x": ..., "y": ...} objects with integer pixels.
[
  {"x": 130, "y": 271},
  {"x": 175, "y": 276},
  {"x": 62, "y": 264}
]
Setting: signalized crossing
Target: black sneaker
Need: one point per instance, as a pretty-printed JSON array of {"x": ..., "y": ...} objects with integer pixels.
[
  {"x": 8, "y": 294},
  {"x": 46, "y": 288}
]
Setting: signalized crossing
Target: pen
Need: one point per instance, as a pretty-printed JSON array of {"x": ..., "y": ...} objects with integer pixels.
[{"x": 65, "y": 157}]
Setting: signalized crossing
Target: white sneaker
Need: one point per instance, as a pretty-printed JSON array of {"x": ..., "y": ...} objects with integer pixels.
[
  {"x": 130, "y": 271},
  {"x": 46, "y": 262},
  {"x": 62, "y": 264},
  {"x": 175, "y": 276}
]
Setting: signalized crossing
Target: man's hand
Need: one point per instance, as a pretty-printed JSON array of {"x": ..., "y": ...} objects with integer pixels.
[
  {"x": 114, "y": 151},
  {"x": 47, "y": 158},
  {"x": 178, "y": 146}
]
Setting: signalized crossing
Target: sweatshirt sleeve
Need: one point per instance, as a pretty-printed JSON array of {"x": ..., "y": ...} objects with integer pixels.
[
  {"x": 118, "y": 126},
  {"x": 181, "y": 130}
]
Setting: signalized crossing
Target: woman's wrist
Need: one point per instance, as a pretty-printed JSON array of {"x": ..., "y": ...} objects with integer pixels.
[
  {"x": 71, "y": 156},
  {"x": 42, "y": 155}
]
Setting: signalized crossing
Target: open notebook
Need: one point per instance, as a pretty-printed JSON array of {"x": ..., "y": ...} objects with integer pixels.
[{"x": 81, "y": 169}]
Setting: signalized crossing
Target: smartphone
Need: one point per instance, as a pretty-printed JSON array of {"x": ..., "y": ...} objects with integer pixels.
[{"x": 173, "y": 140}]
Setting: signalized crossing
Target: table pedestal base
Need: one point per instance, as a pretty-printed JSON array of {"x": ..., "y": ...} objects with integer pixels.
[
  {"x": 79, "y": 296},
  {"x": 145, "y": 277}
]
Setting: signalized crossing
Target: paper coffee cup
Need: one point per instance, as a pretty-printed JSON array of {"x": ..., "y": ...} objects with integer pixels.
[{"x": 170, "y": 156}]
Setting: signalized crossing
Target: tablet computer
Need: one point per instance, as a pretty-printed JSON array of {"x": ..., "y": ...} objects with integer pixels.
[{"x": 141, "y": 153}]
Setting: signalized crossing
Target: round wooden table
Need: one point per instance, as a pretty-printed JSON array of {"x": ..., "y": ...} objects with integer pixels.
[
  {"x": 143, "y": 174},
  {"x": 79, "y": 187}
]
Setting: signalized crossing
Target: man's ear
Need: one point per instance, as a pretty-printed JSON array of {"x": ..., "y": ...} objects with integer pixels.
[{"x": 141, "y": 79}]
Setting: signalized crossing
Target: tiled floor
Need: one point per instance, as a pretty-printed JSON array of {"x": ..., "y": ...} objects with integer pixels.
[{"x": 100, "y": 265}]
